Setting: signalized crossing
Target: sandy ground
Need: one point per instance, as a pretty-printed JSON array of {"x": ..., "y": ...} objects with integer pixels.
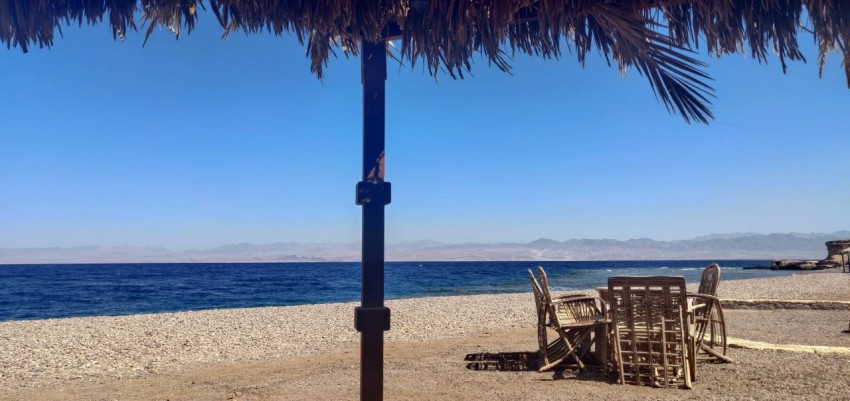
[{"x": 440, "y": 348}]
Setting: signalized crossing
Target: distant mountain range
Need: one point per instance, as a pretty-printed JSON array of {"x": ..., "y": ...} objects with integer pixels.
[{"x": 713, "y": 246}]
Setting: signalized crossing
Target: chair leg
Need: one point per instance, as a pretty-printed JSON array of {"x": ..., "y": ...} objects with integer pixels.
[
  {"x": 692, "y": 360},
  {"x": 566, "y": 350},
  {"x": 552, "y": 355},
  {"x": 615, "y": 338},
  {"x": 716, "y": 344},
  {"x": 601, "y": 342},
  {"x": 543, "y": 343},
  {"x": 713, "y": 353},
  {"x": 571, "y": 349},
  {"x": 558, "y": 351}
]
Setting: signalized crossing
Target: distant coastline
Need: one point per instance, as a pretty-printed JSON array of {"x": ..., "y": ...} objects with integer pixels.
[{"x": 707, "y": 247}]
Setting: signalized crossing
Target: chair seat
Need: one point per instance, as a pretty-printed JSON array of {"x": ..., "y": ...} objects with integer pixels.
[{"x": 586, "y": 322}]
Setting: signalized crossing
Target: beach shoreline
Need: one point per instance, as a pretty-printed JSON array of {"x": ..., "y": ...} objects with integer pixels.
[{"x": 429, "y": 336}]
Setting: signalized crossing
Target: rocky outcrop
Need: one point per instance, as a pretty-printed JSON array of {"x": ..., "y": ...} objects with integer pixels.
[
  {"x": 786, "y": 264},
  {"x": 834, "y": 249}
]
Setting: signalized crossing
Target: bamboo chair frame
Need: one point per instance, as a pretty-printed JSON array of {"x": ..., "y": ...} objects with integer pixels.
[
  {"x": 652, "y": 341},
  {"x": 710, "y": 280},
  {"x": 709, "y": 325},
  {"x": 572, "y": 317},
  {"x": 579, "y": 317},
  {"x": 552, "y": 353}
]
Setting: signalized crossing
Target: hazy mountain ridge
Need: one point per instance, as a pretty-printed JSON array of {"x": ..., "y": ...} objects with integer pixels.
[{"x": 713, "y": 246}]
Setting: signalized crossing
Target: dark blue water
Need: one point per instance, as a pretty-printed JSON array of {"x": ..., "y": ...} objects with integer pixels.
[{"x": 51, "y": 291}]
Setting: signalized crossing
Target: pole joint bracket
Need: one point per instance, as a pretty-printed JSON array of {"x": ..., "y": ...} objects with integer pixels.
[
  {"x": 373, "y": 192},
  {"x": 371, "y": 318}
]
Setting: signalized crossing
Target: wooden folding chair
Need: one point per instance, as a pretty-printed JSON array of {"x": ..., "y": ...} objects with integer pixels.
[
  {"x": 709, "y": 326},
  {"x": 572, "y": 317},
  {"x": 651, "y": 336}
]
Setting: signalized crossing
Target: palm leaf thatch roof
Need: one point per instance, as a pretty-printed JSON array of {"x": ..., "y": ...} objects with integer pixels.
[{"x": 657, "y": 38}]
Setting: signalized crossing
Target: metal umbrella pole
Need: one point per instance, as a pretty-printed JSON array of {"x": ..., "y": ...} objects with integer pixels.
[{"x": 371, "y": 318}]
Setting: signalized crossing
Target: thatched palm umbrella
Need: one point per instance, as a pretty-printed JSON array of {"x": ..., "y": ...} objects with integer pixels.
[{"x": 654, "y": 37}]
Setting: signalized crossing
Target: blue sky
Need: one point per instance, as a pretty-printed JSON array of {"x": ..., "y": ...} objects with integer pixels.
[{"x": 199, "y": 142}]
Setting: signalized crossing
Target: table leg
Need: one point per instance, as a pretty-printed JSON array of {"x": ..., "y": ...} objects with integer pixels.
[{"x": 601, "y": 342}]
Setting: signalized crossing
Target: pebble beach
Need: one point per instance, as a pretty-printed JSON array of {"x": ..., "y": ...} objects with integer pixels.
[{"x": 165, "y": 356}]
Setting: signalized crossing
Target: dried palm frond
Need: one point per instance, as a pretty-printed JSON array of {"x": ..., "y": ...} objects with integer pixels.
[{"x": 654, "y": 37}]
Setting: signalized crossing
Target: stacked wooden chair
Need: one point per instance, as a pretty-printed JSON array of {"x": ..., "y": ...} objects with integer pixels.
[
  {"x": 652, "y": 342},
  {"x": 660, "y": 329},
  {"x": 706, "y": 314},
  {"x": 574, "y": 318}
]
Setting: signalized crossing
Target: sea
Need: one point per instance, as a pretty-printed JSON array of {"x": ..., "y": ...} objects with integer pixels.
[{"x": 43, "y": 291}]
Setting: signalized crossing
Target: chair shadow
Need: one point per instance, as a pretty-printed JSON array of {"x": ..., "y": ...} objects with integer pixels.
[
  {"x": 528, "y": 362},
  {"x": 503, "y": 361}
]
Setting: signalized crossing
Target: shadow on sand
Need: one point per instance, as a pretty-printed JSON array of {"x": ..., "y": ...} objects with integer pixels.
[
  {"x": 529, "y": 361},
  {"x": 503, "y": 361}
]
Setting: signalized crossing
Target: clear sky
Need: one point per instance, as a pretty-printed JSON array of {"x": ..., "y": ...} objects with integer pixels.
[{"x": 200, "y": 142}]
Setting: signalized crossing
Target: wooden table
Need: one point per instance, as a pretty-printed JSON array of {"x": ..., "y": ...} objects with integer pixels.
[{"x": 602, "y": 336}]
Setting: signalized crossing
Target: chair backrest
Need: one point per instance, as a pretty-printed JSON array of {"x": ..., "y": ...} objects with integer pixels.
[
  {"x": 541, "y": 306},
  {"x": 539, "y": 301},
  {"x": 710, "y": 280},
  {"x": 651, "y": 332},
  {"x": 544, "y": 285},
  {"x": 570, "y": 308},
  {"x": 547, "y": 298},
  {"x": 709, "y": 328}
]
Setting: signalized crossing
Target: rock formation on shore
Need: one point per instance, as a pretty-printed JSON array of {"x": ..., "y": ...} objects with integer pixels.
[{"x": 834, "y": 249}]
